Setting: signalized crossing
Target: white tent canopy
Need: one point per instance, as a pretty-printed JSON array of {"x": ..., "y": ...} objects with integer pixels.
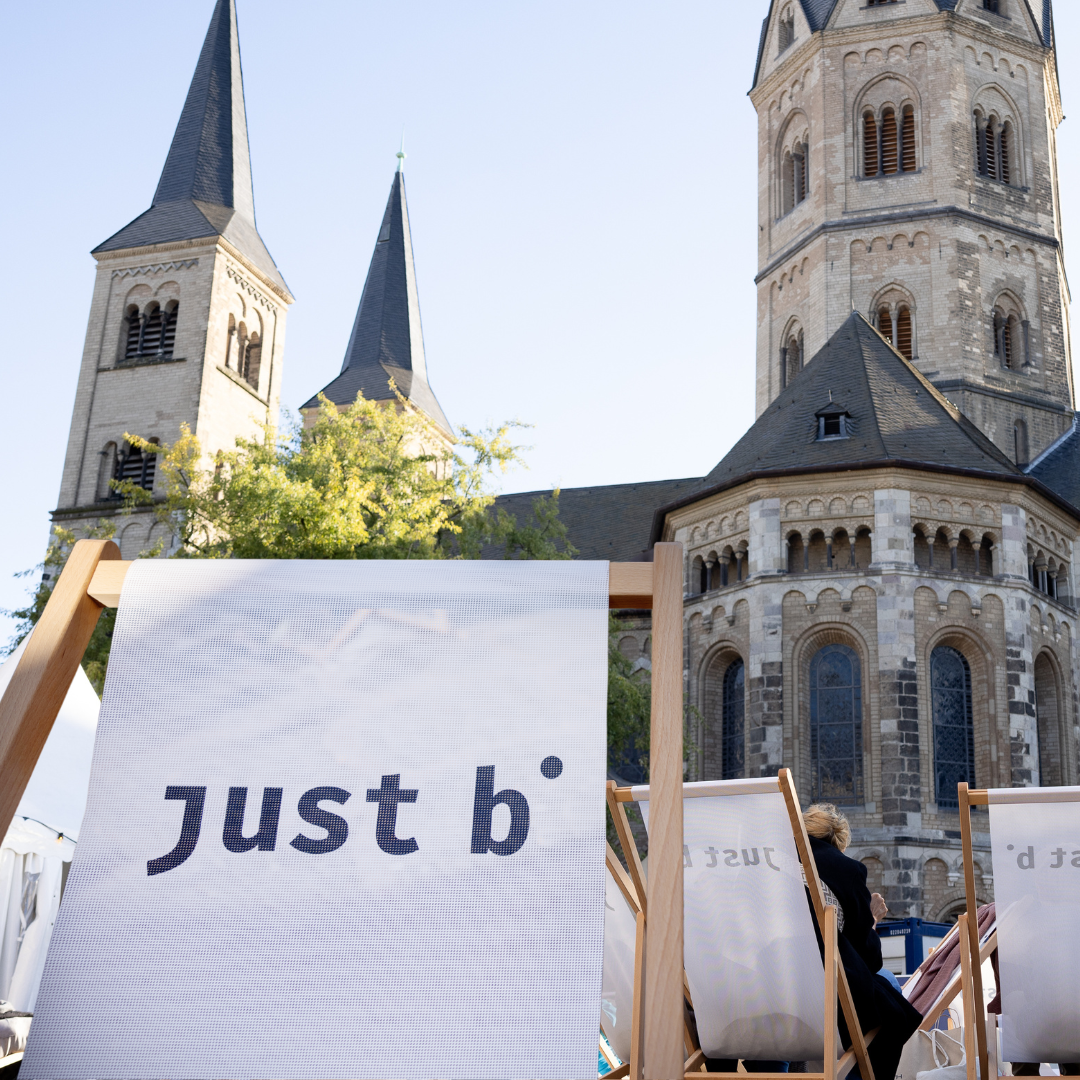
[{"x": 42, "y": 838}]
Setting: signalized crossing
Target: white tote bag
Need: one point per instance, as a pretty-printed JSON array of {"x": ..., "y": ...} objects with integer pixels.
[{"x": 930, "y": 1052}]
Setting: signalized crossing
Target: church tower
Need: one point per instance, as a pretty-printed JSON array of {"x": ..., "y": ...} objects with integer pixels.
[
  {"x": 907, "y": 171},
  {"x": 187, "y": 321}
]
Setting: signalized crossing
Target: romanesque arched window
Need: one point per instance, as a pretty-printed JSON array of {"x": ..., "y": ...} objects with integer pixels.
[
  {"x": 252, "y": 358},
  {"x": 791, "y": 354},
  {"x": 996, "y": 152},
  {"x": 1048, "y": 719},
  {"x": 1020, "y": 442},
  {"x": 168, "y": 329},
  {"x": 894, "y": 317},
  {"x": 133, "y": 334},
  {"x": 836, "y": 725},
  {"x": 793, "y": 181},
  {"x": 888, "y": 142},
  {"x": 734, "y": 720},
  {"x": 954, "y": 734},
  {"x": 151, "y": 339},
  {"x": 786, "y": 34}
]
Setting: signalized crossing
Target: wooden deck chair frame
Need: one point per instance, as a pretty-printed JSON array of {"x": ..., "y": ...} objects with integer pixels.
[
  {"x": 969, "y": 798},
  {"x": 836, "y": 984},
  {"x": 92, "y": 580}
]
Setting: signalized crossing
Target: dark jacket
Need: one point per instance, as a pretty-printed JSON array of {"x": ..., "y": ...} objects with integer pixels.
[{"x": 877, "y": 1002}]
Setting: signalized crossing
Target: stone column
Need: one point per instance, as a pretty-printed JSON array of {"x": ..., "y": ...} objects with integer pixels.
[
  {"x": 892, "y": 542},
  {"x": 766, "y": 554},
  {"x": 1023, "y": 765}
]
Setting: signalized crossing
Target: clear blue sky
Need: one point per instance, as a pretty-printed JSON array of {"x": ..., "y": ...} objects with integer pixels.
[{"x": 582, "y": 184}]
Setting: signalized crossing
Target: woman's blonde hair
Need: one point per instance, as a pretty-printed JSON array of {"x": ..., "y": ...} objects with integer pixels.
[{"x": 825, "y": 822}]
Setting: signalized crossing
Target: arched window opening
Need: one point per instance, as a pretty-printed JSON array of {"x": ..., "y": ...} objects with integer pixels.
[
  {"x": 168, "y": 330},
  {"x": 991, "y": 141},
  {"x": 252, "y": 360},
  {"x": 230, "y": 347},
  {"x": 889, "y": 156},
  {"x": 954, "y": 735},
  {"x": 734, "y": 717},
  {"x": 697, "y": 575},
  {"x": 967, "y": 559},
  {"x": 870, "y": 145},
  {"x": 796, "y": 554},
  {"x": 907, "y": 140},
  {"x": 836, "y": 725},
  {"x": 864, "y": 552},
  {"x": 986, "y": 557},
  {"x": 787, "y": 28},
  {"x": 106, "y": 471},
  {"x": 923, "y": 558},
  {"x": 1048, "y": 718},
  {"x": 799, "y": 156},
  {"x": 903, "y": 332},
  {"x": 1003, "y": 151},
  {"x": 133, "y": 338},
  {"x": 884, "y": 322},
  {"x": 137, "y": 467},
  {"x": 993, "y": 6},
  {"x": 151, "y": 339},
  {"x": 1020, "y": 442},
  {"x": 817, "y": 553}
]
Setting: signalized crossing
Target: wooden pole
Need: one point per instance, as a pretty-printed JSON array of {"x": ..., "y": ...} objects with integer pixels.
[
  {"x": 978, "y": 1017},
  {"x": 663, "y": 1050},
  {"x": 41, "y": 681},
  {"x": 828, "y": 937},
  {"x": 972, "y": 1014}
]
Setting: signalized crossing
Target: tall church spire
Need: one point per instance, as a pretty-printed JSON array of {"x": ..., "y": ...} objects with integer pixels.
[
  {"x": 205, "y": 187},
  {"x": 387, "y": 339}
]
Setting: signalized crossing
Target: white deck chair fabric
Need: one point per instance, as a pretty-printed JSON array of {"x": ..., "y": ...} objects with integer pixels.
[
  {"x": 1036, "y": 851},
  {"x": 461, "y": 937},
  {"x": 620, "y": 943},
  {"x": 751, "y": 955}
]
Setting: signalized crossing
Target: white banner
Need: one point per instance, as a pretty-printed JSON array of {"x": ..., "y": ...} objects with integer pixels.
[
  {"x": 752, "y": 959},
  {"x": 346, "y": 819},
  {"x": 1036, "y": 853}
]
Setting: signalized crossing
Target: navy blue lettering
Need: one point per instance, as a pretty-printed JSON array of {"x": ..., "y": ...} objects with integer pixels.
[
  {"x": 195, "y": 799},
  {"x": 484, "y": 802},
  {"x": 337, "y": 829},
  {"x": 388, "y": 796},
  {"x": 233, "y": 835}
]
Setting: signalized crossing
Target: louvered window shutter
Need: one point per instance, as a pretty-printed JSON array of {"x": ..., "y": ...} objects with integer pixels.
[
  {"x": 889, "y": 160},
  {"x": 903, "y": 333},
  {"x": 870, "y": 147},
  {"x": 168, "y": 333},
  {"x": 907, "y": 138},
  {"x": 990, "y": 142},
  {"x": 1006, "y": 131},
  {"x": 134, "y": 327}
]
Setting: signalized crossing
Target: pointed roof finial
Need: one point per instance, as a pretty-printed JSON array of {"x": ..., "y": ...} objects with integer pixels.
[{"x": 401, "y": 153}]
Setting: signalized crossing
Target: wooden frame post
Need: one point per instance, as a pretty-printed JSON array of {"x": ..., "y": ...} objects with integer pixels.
[
  {"x": 978, "y": 1015},
  {"x": 663, "y": 1050},
  {"x": 40, "y": 682},
  {"x": 973, "y": 1015}
]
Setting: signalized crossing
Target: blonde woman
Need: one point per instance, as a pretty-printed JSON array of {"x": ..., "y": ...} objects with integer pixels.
[{"x": 878, "y": 1003}]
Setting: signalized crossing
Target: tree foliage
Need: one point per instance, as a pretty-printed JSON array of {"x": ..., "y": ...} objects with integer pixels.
[{"x": 366, "y": 482}]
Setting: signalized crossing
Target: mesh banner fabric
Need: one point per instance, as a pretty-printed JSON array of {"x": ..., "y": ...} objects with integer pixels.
[
  {"x": 752, "y": 959},
  {"x": 346, "y": 819},
  {"x": 1036, "y": 852},
  {"x": 620, "y": 942}
]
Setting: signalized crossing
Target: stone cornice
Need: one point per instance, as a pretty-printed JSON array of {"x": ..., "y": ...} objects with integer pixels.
[
  {"x": 896, "y": 465},
  {"x": 896, "y": 218}
]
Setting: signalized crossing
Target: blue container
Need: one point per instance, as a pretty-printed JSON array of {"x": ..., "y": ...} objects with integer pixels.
[{"x": 919, "y": 937}]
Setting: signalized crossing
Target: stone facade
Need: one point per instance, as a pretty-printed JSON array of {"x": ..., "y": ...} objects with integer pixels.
[
  {"x": 217, "y": 291},
  {"x": 937, "y": 239},
  {"x": 879, "y": 598}
]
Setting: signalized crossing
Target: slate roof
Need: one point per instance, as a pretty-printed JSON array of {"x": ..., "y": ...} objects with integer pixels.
[
  {"x": 610, "y": 522},
  {"x": 1058, "y": 466},
  {"x": 205, "y": 188},
  {"x": 387, "y": 339},
  {"x": 817, "y": 14},
  {"x": 894, "y": 415}
]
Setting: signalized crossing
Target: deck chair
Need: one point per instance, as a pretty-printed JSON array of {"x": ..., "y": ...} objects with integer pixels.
[
  {"x": 751, "y": 953},
  {"x": 1035, "y": 846},
  {"x": 93, "y": 579},
  {"x": 624, "y": 940}
]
